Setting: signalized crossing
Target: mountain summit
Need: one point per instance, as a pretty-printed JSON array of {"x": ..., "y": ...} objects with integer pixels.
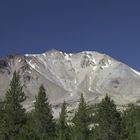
[{"x": 66, "y": 76}]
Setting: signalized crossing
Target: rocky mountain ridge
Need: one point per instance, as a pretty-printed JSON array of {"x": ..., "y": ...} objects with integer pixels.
[{"x": 66, "y": 76}]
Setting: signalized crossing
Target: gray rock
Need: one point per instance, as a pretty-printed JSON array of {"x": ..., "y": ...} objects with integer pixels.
[{"x": 66, "y": 76}]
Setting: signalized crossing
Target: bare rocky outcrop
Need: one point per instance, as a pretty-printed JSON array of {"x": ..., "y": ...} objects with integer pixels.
[{"x": 66, "y": 76}]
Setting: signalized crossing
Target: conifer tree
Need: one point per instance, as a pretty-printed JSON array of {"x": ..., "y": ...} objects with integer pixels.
[
  {"x": 27, "y": 131},
  {"x": 1, "y": 120},
  {"x": 14, "y": 113},
  {"x": 62, "y": 123},
  {"x": 108, "y": 120},
  {"x": 43, "y": 118},
  {"x": 131, "y": 123},
  {"x": 81, "y": 121}
]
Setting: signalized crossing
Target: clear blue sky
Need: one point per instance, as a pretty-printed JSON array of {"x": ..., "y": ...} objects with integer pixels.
[{"x": 108, "y": 26}]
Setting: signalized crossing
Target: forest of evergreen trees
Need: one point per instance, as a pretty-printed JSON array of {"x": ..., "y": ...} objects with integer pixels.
[{"x": 102, "y": 121}]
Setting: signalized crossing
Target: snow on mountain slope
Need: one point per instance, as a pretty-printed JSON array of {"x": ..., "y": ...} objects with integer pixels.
[{"x": 66, "y": 76}]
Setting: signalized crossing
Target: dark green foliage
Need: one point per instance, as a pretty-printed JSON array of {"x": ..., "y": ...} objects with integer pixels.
[
  {"x": 44, "y": 124},
  {"x": 108, "y": 121},
  {"x": 131, "y": 123},
  {"x": 1, "y": 120},
  {"x": 90, "y": 122},
  {"x": 81, "y": 121},
  {"x": 27, "y": 131},
  {"x": 14, "y": 113},
  {"x": 62, "y": 124}
]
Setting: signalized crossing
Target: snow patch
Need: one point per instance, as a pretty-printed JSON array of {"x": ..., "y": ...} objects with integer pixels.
[
  {"x": 105, "y": 66},
  {"x": 90, "y": 90},
  {"x": 75, "y": 81},
  {"x": 33, "y": 66},
  {"x": 19, "y": 60},
  {"x": 44, "y": 54},
  {"x": 34, "y": 101},
  {"x": 30, "y": 72},
  {"x": 71, "y": 94},
  {"x": 109, "y": 62},
  {"x": 27, "y": 55},
  {"x": 94, "y": 61},
  {"x": 66, "y": 56},
  {"x": 135, "y": 71},
  {"x": 34, "y": 55},
  {"x": 95, "y": 67}
]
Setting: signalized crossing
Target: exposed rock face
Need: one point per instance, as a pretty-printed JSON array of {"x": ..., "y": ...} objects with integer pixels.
[{"x": 66, "y": 76}]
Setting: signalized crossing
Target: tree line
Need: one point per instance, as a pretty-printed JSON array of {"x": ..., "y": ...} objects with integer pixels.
[{"x": 102, "y": 121}]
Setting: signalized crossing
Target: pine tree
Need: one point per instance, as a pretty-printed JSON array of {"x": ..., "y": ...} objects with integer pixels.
[
  {"x": 81, "y": 121},
  {"x": 43, "y": 118},
  {"x": 1, "y": 120},
  {"x": 14, "y": 113},
  {"x": 62, "y": 123},
  {"x": 108, "y": 120},
  {"x": 27, "y": 131},
  {"x": 131, "y": 123}
]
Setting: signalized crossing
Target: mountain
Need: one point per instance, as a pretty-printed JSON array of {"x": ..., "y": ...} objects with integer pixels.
[{"x": 66, "y": 76}]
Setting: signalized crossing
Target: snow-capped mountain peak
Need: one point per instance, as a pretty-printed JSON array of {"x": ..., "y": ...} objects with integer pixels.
[{"x": 67, "y": 75}]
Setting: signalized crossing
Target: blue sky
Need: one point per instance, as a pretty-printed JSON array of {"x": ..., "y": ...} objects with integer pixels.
[{"x": 107, "y": 26}]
